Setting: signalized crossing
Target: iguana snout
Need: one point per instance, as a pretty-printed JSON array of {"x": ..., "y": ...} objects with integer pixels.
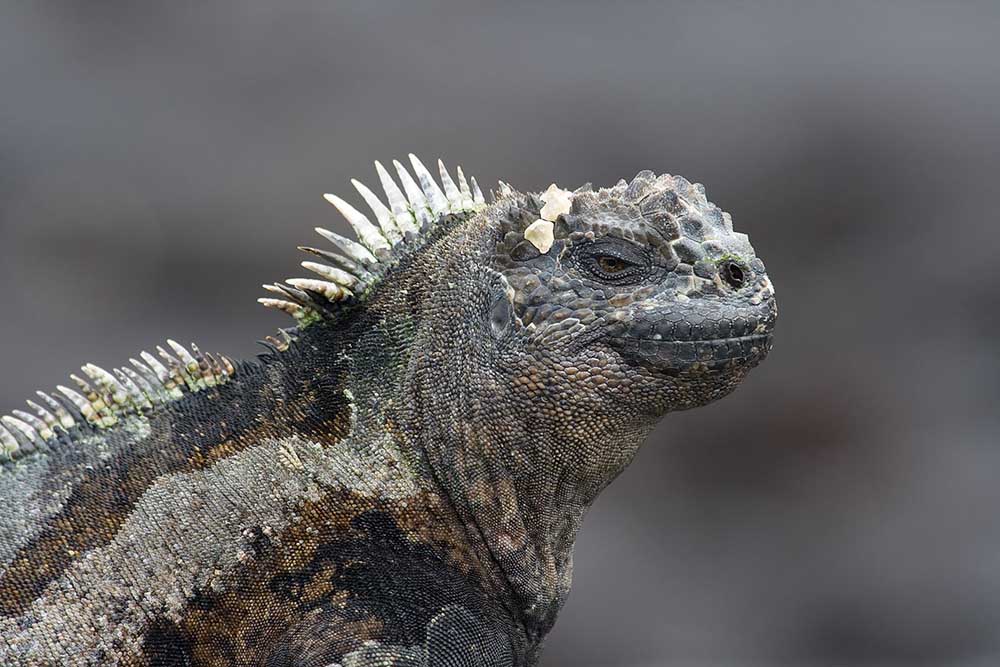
[{"x": 696, "y": 335}]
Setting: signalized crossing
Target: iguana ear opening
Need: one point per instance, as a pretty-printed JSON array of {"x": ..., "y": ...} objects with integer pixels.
[{"x": 501, "y": 314}]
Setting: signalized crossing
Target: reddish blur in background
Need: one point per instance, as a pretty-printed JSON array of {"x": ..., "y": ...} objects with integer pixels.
[{"x": 159, "y": 162}]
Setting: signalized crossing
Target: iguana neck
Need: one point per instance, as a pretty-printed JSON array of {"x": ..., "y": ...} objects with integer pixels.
[{"x": 521, "y": 486}]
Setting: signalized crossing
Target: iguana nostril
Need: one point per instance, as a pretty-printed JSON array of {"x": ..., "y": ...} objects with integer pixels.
[{"x": 733, "y": 274}]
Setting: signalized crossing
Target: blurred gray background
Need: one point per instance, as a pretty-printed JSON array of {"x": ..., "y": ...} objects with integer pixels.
[{"x": 158, "y": 161}]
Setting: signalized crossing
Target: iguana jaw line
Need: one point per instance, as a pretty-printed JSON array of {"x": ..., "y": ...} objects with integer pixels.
[{"x": 711, "y": 354}]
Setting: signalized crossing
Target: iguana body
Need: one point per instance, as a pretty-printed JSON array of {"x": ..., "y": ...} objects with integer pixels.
[{"x": 400, "y": 480}]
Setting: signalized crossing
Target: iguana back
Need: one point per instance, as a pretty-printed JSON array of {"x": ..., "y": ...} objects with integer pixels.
[{"x": 400, "y": 478}]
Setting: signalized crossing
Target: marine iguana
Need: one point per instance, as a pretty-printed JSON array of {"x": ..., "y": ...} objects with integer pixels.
[{"x": 399, "y": 480}]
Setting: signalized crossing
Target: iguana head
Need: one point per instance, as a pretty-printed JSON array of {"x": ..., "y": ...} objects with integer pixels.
[{"x": 641, "y": 294}]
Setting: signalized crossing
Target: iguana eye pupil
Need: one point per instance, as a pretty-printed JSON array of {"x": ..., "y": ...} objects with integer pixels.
[
  {"x": 611, "y": 264},
  {"x": 733, "y": 274}
]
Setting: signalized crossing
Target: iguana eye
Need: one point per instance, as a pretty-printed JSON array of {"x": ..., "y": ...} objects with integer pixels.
[{"x": 615, "y": 262}]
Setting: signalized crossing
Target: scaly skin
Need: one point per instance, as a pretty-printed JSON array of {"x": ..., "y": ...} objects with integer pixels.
[{"x": 403, "y": 483}]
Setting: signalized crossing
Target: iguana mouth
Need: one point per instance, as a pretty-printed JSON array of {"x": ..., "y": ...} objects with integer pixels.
[{"x": 701, "y": 354}]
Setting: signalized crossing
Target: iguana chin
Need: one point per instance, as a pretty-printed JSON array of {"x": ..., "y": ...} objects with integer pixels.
[{"x": 400, "y": 479}]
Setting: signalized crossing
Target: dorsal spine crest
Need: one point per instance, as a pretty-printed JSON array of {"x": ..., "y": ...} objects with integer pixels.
[
  {"x": 103, "y": 398},
  {"x": 401, "y": 223}
]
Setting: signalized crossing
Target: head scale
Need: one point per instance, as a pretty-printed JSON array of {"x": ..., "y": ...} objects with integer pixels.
[{"x": 643, "y": 287}]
